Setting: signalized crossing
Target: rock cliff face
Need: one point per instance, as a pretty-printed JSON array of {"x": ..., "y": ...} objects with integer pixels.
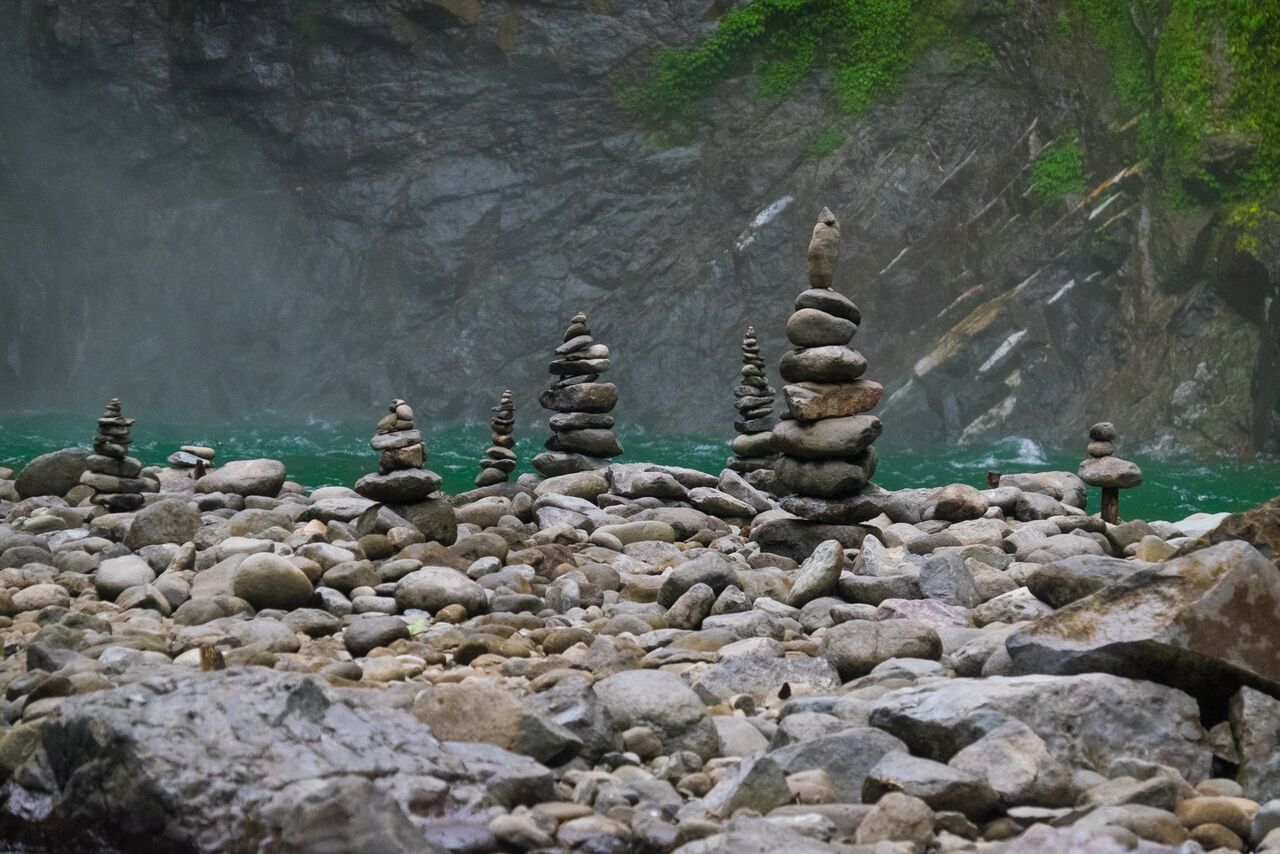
[{"x": 230, "y": 207}]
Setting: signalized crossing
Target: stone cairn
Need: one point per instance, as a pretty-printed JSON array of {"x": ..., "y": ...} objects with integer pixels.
[
  {"x": 1107, "y": 471},
  {"x": 195, "y": 457},
  {"x": 753, "y": 447},
  {"x": 500, "y": 460},
  {"x": 582, "y": 429},
  {"x": 400, "y": 478},
  {"x": 825, "y": 438},
  {"x": 113, "y": 475}
]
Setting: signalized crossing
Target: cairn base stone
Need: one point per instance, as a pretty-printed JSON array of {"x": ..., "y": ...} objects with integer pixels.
[
  {"x": 556, "y": 463},
  {"x": 404, "y": 486}
]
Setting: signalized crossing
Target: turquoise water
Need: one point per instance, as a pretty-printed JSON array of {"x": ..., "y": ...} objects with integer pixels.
[{"x": 321, "y": 454}]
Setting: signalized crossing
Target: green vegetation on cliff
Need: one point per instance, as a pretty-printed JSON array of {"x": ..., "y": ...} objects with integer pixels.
[
  {"x": 866, "y": 45},
  {"x": 1198, "y": 79}
]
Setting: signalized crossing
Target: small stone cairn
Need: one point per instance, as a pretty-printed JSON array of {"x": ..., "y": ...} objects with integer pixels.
[
  {"x": 195, "y": 457},
  {"x": 500, "y": 460},
  {"x": 825, "y": 437},
  {"x": 113, "y": 475},
  {"x": 582, "y": 428},
  {"x": 753, "y": 447},
  {"x": 400, "y": 478},
  {"x": 1107, "y": 471}
]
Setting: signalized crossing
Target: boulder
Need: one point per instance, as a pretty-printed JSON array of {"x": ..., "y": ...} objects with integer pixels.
[
  {"x": 245, "y": 477},
  {"x": 1017, "y": 764},
  {"x": 117, "y": 574},
  {"x": 434, "y": 587},
  {"x": 1205, "y": 622},
  {"x": 856, "y": 647},
  {"x": 266, "y": 580},
  {"x": 940, "y": 786},
  {"x": 482, "y": 711},
  {"x": 958, "y": 502},
  {"x": 1089, "y": 720},
  {"x": 243, "y": 764},
  {"x": 1064, "y": 581},
  {"x": 1255, "y": 725},
  {"x": 660, "y": 701},
  {"x": 1259, "y": 527},
  {"x": 846, "y": 756},
  {"x": 818, "y": 575},
  {"x": 163, "y": 522},
  {"x": 55, "y": 473}
]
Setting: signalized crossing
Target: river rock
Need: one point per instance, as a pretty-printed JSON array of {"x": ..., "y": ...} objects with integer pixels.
[
  {"x": 245, "y": 477},
  {"x": 846, "y": 756},
  {"x": 435, "y": 587},
  {"x": 171, "y": 521},
  {"x": 856, "y": 647},
  {"x": 402, "y": 486},
  {"x": 478, "y": 711},
  {"x": 1255, "y": 725},
  {"x": 829, "y": 438},
  {"x": 55, "y": 473},
  {"x": 660, "y": 701},
  {"x": 1065, "y": 581},
  {"x": 117, "y": 574},
  {"x": 818, "y": 575},
  {"x": 266, "y": 580}
]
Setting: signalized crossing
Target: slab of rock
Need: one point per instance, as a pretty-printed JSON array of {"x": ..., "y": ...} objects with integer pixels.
[
  {"x": 761, "y": 677},
  {"x": 163, "y": 522},
  {"x": 1017, "y": 764},
  {"x": 1088, "y": 720},
  {"x": 818, "y": 575},
  {"x": 940, "y": 786},
  {"x": 1205, "y": 622},
  {"x": 246, "y": 757},
  {"x": 856, "y": 647}
]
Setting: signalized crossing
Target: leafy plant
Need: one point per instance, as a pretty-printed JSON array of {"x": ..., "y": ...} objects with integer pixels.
[
  {"x": 1058, "y": 170},
  {"x": 826, "y": 141}
]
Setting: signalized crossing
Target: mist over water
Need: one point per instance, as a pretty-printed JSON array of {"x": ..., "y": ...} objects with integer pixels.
[{"x": 317, "y": 452}]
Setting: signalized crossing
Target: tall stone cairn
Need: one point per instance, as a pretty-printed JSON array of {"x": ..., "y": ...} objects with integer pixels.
[
  {"x": 1108, "y": 472},
  {"x": 500, "y": 460},
  {"x": 582, "y": 429},
  {"x": 825, "y": 436},
  {"x": 400, "y": 478},
  {"x": 113, "y": 475},
  {"x": 753, "y": 447}
]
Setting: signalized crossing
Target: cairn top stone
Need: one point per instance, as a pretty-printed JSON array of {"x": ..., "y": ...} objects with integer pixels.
[{"x": 824, "y": 250}]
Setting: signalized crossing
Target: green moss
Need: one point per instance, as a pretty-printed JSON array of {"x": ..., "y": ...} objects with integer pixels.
[
  {"x": 825, "y": 142},
  {"x": 866, "y": 45},
  {"x": 1058, "y": 169}
]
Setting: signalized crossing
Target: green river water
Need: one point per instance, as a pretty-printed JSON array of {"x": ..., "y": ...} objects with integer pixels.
[{"x": 321, "y": 453}]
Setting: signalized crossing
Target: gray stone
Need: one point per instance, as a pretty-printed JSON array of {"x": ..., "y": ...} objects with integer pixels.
[
  {"x": 710, "y": 568},
  {"x": 366, "y": 633},
  {"x": 818, "y": 575},
  {"x": 757, "y": 783},
  {"x": 845, "y": 756},
  {"x": 693, "y": 606},
  {"x": 266, "y": 580},
  {"x": 117, "y": 574},
  {"x": 761, "y": 677},
  {"x": 856, "y": 647},
  {"x": 433, "y": 587},
  {"x": 940, "y": 786},
  {"x": 1134, "y": 719},
  {"x": 1255, "y": 724},
  {"x": 55, "y": 473},
  {"x": 660, "y": 701},
  {"x": 836, "y": 364},
  {"x": 1064, "y": 581},
  {"x": 839, "y": 438},
  {"x": 403, "y": 486},
  {"x": 1018, "y": 766},
  {"x": 482, "y": 711},
  {"x": 245, "y": 477},
  {"x": 945, "y": 577},
  {"x": 163, "y": 522}
]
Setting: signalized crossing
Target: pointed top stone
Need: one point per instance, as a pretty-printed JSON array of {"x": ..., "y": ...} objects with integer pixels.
[{"x": 824, "y": 250}]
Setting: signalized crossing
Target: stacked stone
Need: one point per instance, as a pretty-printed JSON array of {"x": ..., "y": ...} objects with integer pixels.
[
  {"x": 112, "y": 474},
  {"x": 400, "y": 478},
  {"x": 1105, "y": 470},
  {"x": 753, "y": 447},
  {"x": 500, "y": 459},
  {"x": 825, "y": 437},
  {"x": 582, "y": 429}
]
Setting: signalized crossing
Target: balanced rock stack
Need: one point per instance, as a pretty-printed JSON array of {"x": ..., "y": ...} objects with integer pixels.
[
  {"x": 195, "y": 457},
  {"x": 825, "y": 438},
  {"x": 500, "y": 460},
  {"x": 113, "y": 475},
  {"x": 400, "y": 478},
  {"x": 582, "y": 428},
  {"x": 1107, "y": 471},
  {"x": 753, "y": 447}
]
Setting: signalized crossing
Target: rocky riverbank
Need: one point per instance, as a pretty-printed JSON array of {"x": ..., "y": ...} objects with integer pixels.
[{"x": 636, "y": 658}]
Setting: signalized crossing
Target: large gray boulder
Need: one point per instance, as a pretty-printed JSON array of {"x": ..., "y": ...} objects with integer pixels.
[
  {"x": 1205, "y": 623},
  {"x": 1087, "y": 721},
  {"x": 172, "y": 521},
  {"x": 660, "y": 701},
  {"x": 240, "y": 760},
  {"x": 245, "y": 477},
  {"x": 53, "y": 473}
]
